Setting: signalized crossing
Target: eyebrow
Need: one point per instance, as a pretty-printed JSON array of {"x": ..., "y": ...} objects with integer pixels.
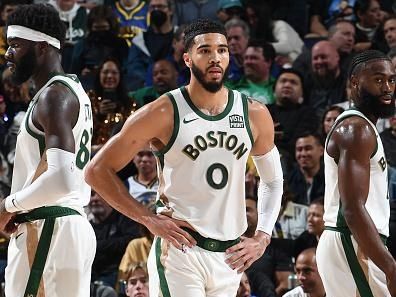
[{"x": 207, "y": 45}]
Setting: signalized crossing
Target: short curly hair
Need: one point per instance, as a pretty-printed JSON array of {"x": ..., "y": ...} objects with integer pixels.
[
  {"x": 40, "y": 17},
  {"x": 201, "y": 26}
]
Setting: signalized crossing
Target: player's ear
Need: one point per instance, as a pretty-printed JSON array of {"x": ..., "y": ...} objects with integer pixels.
[
  {"x": 353, "y": 82},
  {"x": 187, "y": 60},
  {"x": 42, "y": 47}
]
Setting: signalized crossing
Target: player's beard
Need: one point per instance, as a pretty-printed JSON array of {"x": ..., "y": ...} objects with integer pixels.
[
  {"x": 24, "y": 67},
  {"x": 210, "y": 86},
  {"x": 372, "y": 104}
]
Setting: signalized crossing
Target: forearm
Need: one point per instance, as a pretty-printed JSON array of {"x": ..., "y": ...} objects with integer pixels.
[
  {"x": 270, "y": 189},
  {"x": 51, "y": 186},
  {"x": 109, "y": 186},
  {"x": 366, "y": 235}
]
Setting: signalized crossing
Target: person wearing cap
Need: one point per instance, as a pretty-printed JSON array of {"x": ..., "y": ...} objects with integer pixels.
[
  {"x": 52, "y": 244},
  {"x": 229, "y": 9}
]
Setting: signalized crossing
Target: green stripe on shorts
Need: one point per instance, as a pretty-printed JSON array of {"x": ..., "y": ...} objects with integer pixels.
[
  {"x": 161, "y": 269},
  {"x": 357, "y": 271}
]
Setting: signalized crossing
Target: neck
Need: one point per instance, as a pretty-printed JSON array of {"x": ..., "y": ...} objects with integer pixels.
[
  {"x": 205, "y": 100},
  {"x": 129, "y": 5},
  {"x": 320, "y": 292},
  {"x": 259, "y": 79},
  {"x": 146, "y": 178},
  {"x": 309, "y": 173},
  {"x": 165, "y": 28},
  {"x": 102, "y": 217},
  {"x": 41, "y": 77}
]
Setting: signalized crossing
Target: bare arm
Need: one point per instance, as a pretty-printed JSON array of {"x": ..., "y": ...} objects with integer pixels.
[
  {"x": 55, "y": 114},
  {"x": 250, "y": 249},
  {"x": 152, "y": 123},
  {"x": 354, "y": 142}
]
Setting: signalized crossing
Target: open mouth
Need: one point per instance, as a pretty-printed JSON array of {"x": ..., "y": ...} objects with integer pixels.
[
  {"x": 386, "y": 99},
  {"x": 11, "y": 66}
]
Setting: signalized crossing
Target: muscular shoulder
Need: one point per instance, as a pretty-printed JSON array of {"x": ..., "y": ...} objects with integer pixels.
[
  {"x": 355, "y": 133},
  {"x": 152, "y": 122},
  {"x": 262, "y": 127},
  {"x": 57, "y": 102}
]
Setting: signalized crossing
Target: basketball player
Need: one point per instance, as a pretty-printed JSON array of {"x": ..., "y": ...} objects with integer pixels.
[
  {"x": 202, "y": 135},
  {"x": 351, "y": 256},
  {"x": 53, "y": 246}
]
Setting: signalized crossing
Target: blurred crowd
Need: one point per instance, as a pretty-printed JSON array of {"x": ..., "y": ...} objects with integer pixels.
[{"x": 291, "y": 55}]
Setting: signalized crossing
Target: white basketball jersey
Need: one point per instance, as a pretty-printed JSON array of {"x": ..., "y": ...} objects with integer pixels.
[
  {"x": 377, "y": 204},
  {"x": 202, "y": 169},
  {"x": 31, "y": 145}
]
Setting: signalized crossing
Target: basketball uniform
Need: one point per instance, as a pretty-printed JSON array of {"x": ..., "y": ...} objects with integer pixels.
[
  {"x": 344, "y": 269},
  {"x": 201, "y": 174},
  {"x": 67, "y": 269}
]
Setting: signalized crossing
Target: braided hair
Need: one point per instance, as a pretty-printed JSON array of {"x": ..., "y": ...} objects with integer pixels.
[
  {"x": 198, "y": 27},
  {"x": 40, "y": 17},
  {"x": 360, "y": 60}
]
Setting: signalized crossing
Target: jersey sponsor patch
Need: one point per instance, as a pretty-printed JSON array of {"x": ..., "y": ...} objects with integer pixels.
[{"x": 236, "y": 121}]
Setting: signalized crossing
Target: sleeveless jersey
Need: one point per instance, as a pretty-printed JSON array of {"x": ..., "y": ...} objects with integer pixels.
[
  {"x": 31, "y": 145},
  {"x": 377, "y": 204},
  {"x": 202, "y": 168}
]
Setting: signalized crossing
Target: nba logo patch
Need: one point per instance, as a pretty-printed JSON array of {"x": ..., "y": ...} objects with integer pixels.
[{"x": 236, "y": 121}]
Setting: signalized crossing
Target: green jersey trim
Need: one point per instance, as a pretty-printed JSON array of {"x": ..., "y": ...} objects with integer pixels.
[
  {"x": 176, "y": 125},
  {"x": 357, "y": 271},
  {"x": 245, "y": 104},
  {"x": 218, "y": 117},
  {"x": 161, "y": 270}
]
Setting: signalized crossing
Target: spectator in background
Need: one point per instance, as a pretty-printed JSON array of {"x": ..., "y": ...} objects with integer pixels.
[
  {"x": 137, "y": 251},
  {"x": 325, "y": 84},
  {"x": 324, "y": 14},
  {"x": 388, "y": 137},
  {"x": 306, "y": 180},
  {"x": 113, "y": 232},
  {"x": 328, "y": 119},
  {"x": 144, "y": 185},
  {"x": 101, "y": 42},
  {"x": 75, "y": 19},
  {"x": 16, "y": 97},
  {"x": 176, "y": 57},
  {"x": 230, "y": 9},
  {"x": 369, "y": 16},
  {"x": 110, "y": 103},
  {"x": 150, "y": 46},
  {"x": 164, "y": 78},
  {"x": 132, "y": 17},
  {"x": 257, "y": 81},
  {"x": 315, "y": 227},
  {"x": 342, "y": 36},
  {"x": 137, "y": 282},
  {"x": 389, "y": 29},
  {"x": 189, "y": 10},
  {"x": 308, "y": 276},
  {"x": 244, "y": 289},
  {"x": 290, "y": 116},
  {"x": 261, "y": 273},
  {"x": 285, "y": 40},
  {"x": 238, "y": 35},
  {"x": 6, "y": 8}
]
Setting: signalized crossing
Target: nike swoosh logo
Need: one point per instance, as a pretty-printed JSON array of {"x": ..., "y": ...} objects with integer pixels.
[
  {"x": 16, "y": 237},
  {"x": 189, "y": 121}
]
